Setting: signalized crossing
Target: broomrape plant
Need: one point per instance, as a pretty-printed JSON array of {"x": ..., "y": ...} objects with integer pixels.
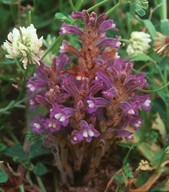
[{"x": 90, "y": 97}]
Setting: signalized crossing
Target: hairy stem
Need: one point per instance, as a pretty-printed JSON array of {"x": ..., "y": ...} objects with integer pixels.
[
  {"x": 97, "y": 5},
  {"x": 119, "y": 4},
  {"x": 164, "y": 10}
]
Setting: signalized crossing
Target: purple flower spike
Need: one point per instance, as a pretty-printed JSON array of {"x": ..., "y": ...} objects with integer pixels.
[
  {"x": 107, "y": 25},
  {"x": 70, "y": 29},
  {"x": 62, "y": 114},
  {"x": 88, "y": 131},
  {"x": 88, "y": 86},
  {"x": 108, "y": 42},
  {"x": 94, "y": 103}
]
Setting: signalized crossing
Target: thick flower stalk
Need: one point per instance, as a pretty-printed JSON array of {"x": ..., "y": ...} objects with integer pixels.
[
  {"x": 23, "y": 43},
  {"x": 139, "y": 43},
  {"x": 90, "y": 98}
]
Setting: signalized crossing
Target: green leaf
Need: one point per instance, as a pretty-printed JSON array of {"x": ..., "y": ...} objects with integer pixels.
[
  {"x": 17, "y": 153},
  {"x": 142, "y": 178},
  {"x": 2, "y": 147},
  {"x": 3, "y": 177},
  {"x": 127, "y": 171},
  {"x": 158, "y": 159},
  {"x": 144, "y": 4},
  {"x": 141, "y": 57},
  {"x": 139, "y": 6},
  {"x": 167, "y": 149},
  {"x": 119, "y": 178},
  {"x": 10, "y": 2},
  {"x": 62, "y": 17},
  {"x": 140, "y": 12},
  {"x": 165, "y": 27},
  {"x": 78, "y": 4},
  {"x": 126, "y": 145},
  {"x": 1, "y": 190},
  {"x": 150, "y": 27},
  {"x": 40, "y": 169},
  {"x": 37, "y": 150}
]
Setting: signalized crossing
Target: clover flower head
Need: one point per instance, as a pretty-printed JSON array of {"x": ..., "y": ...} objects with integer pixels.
[
  {"x": 23, "y": 43},
  {"x": 139, "y": 43}
]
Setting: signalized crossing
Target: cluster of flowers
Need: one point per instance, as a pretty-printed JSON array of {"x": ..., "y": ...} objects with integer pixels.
[
  {"x": 91, "y": 93},
  {"x": 25, "y": 44},
  {"x": 138, "y": 43}
]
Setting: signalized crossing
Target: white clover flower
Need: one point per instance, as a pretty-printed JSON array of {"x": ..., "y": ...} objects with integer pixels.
[
  {"x": 23, "y": 43},
  {"x": 139, "y": 43}
]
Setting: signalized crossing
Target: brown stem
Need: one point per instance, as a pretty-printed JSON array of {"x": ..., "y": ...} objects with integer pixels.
[
  {"x": 79, "y": 157},
  {"x": 64, "y": 160},
  {"x": 94, "y": 163}
]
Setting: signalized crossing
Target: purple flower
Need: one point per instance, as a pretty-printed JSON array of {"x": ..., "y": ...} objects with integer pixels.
[
  {"x": 108, "y": 42},
  {"x": 110, "y": 93},
  {"x": 124, "y": 133},
  {"x": 101, "y": 18},
  {"x": 76, "y": 137},
  {"x": 145, "y": 102},
  {"x": 99, "y": 61},
  {"x": 66, "y": 47},
  {"x": 61, "y": 61},
  {"x": 136, "y": 123},
  {"x": 94, "y": 103},
  {"x": 87, "y": 131},
  {"x": 69, "y": 29},
  {"x": 52, "y": 125},
  {"x": 77, "y": 15},
  {"x": 128, "y": 109},
  {"x": 135, "y": 81},
  {"x": 41, "y": 99},
  {"x": 38, "y": 125},
  {"x": 101, "y": 75},
  {"x": 121, "y": 66},
  {"x": 32, "y": 102},
  {"x": 96, "y": 88},
  {"x": 35, "y": 85},
  {"x": 70, "y": 87},
  {"x": 61, "y": 113},
  {"x": 107, "y": 25}
]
